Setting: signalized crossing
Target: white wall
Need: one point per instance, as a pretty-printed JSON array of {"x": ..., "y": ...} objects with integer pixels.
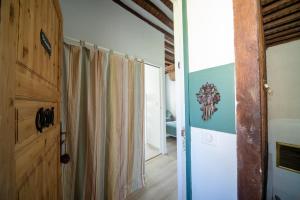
[
  {"x": 170, "y": 95},
  {"x": 213, "y": 153},
  {"x": 108, "y": 25},
  {"x": 283, "y": 69}
]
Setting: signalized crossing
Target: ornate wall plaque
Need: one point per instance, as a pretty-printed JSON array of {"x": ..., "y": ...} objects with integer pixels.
[
  {"x": 212, "y": 98},
  {"x": 208, "y": 96}
]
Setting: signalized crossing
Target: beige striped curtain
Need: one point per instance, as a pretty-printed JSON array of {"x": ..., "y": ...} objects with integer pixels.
[{"x": 104, "y": 109}]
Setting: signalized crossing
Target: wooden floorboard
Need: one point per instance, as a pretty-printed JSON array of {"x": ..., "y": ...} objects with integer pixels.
[{"x": 161, "y": 176}]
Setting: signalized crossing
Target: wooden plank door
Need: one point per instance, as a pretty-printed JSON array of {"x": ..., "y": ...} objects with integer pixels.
[{"x": 37, "y": 67}]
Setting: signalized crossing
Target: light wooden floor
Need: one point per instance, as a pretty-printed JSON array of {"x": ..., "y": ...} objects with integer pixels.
[{"x": 161, "y": 176}]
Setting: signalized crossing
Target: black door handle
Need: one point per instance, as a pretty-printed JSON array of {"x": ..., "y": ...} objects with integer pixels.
[{"x": 44, "y": 118}]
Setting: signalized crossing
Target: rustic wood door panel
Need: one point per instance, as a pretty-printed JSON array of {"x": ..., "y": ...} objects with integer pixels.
[
  {"x": 51, "y": 175},
  {"x": 36, "y": 16},
  {"x": 26, "y": 114},
  {"x": 30, "y": 85},
  {"x": 32, "y": 188},
  {"x": 28, "y": 158},
  {"x": 26, "y": 40},
  {"x": 37, "y": 153}
]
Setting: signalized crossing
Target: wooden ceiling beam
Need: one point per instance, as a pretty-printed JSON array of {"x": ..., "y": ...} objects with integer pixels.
[
  {"x": 277, "y": 6},
  {"x": 282, "y": 42},
  {"x": 169, "y": 46},
  {"x": 283, "y": 38},
  {"x": 168, "y": 63},
  {"x": 281, "y": 21},
  {"x": 169, "y": 39},
  {"x": 120, "y": 3},
  {"x": 281, "y": 13},
  {"x": 283, "y": 33},
  {"x": 282, "y": 28},
  {"x": 168, "y": 3},
  {"x": 155, "y": 11},
  {"x": 168, "y": 59},
  {"x": 169, "y": 54},
  {"x": 266, "y": 2}
]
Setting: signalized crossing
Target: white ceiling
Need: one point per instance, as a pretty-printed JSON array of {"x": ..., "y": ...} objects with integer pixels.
[{"x": 149, "y": 16}]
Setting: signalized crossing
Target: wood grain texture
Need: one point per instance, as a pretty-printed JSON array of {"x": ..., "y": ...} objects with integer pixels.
[
  {"x": 251, "y": 99},
  {"x": 29, "y": 79},
  {"x": 283, "y": 33},
  {"x": 266, "y": 2},
  {"x": 281, "y": 20},
  {"x": 8, "y": 43},
  {"x": 281, "y": 13},
  {"x": 277, "y": 5},
  {"x": 283, "y": 38},
  {"x": 37, "y": 86},
  {"x": 282, "y": 28}
]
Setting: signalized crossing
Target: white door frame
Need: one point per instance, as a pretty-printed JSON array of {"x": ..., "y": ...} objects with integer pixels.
[
  {"x": 163, "y": 135},
  {"x": 162, "y": 84},
  {"x": 180, "y": 101}
]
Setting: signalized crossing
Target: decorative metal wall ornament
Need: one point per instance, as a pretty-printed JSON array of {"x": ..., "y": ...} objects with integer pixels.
[{"x": 208, "y": 96}]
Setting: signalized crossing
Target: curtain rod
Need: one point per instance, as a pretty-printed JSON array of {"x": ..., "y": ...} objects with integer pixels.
[{"x": 69, "y": 40}]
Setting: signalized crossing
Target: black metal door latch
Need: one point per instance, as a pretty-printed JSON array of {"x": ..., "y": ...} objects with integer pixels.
[{"x": 44, "y": 118}]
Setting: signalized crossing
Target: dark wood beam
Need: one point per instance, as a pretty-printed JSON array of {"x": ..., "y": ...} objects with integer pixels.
[
  {"x": 169, "y": 47},
  {"x": 283, "y": 38},
  {"x": 277, "y": 6},
  {"x": 169, "y": 54},
  {"x": 283, "y": 33},
  {"x": 155, "y": 11},
  {"x": 283, "y": 41},
  {"x": 266, "y": 2},
  {"x": 168, "y": 63},
  {"x": 120, "y": 3},
  {"x": 281, "y": 13},
  {"x": 282, "y": 28},
  {"x": 251, "y": 108},
  {"x": 168, "y": 3},
  {"x": 170, "y": 60},
  {"x": 169, "y": 39},
  {"x": 281, "y": 21}
]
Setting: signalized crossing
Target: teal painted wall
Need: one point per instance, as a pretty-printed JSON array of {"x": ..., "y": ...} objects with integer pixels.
[{"x": 223, "y": 78}]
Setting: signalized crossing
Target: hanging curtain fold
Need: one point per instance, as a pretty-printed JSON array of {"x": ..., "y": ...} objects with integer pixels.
[
  {"x": 104, "y": 109},
  {"x": 125, "y": 123}
]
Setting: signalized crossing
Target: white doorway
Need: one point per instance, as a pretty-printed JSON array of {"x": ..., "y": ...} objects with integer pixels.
[
  {"x": 154, "y": 131},
  {"x": 152, "y": 112}
]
